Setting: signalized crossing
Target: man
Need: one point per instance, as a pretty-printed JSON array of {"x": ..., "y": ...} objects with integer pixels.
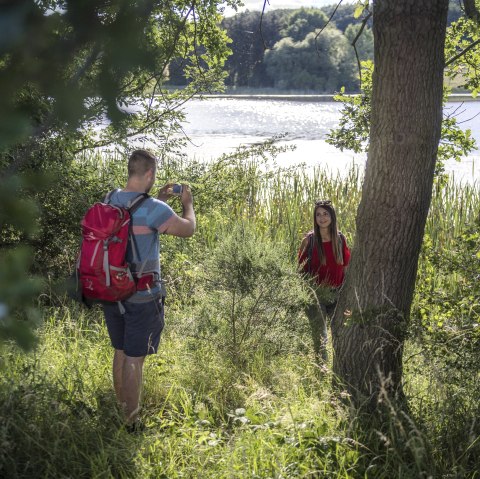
[{"x": 135, "y": 325}]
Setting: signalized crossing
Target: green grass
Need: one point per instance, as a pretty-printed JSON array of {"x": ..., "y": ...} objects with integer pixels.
[
  {"x": 204, "y": 418},
  {"x": 274, "y": 415}
]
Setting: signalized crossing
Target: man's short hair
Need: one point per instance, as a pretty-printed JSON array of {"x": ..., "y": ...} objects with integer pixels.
[{"x": 140, "y": 162}]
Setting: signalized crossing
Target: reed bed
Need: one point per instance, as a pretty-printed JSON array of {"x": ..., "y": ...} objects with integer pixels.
[{"x": 281, "y": 203}]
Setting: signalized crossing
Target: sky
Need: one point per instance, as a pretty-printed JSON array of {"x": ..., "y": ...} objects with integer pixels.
[{"x": 273, "y": 4}]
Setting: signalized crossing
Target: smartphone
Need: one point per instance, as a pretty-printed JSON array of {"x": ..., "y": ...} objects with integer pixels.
[{"x": 176, "y": 189}]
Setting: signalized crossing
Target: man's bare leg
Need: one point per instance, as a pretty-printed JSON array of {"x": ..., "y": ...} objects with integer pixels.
[
  {"x": 118, "y": 361},
  {"x": 132, "y": 386},
  {"x": 127, "y": 382}
]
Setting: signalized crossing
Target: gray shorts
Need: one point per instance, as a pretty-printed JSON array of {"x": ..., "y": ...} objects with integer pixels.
[{"x": 137, "y": 331}]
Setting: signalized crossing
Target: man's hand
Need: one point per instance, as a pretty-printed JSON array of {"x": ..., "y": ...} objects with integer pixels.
[
  {"x": 186, "y": 198},
  {"x": 183, "y": 226},
  {"x": 165, "y": 192}
]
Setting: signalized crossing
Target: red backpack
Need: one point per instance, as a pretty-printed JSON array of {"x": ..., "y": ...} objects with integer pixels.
[{"x": 102, "y": 270}]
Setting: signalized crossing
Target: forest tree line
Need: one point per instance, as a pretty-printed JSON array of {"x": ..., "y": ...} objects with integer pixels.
[{"x": 288, "y": 50}]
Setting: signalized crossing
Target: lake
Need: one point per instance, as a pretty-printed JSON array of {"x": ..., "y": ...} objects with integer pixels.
[{"x": 219, "y": 125}]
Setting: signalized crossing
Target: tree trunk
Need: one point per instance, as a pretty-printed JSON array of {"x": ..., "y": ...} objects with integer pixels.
[{"x": 373, "y": 309}]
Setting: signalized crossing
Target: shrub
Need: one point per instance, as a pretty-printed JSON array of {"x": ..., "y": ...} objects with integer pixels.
[{"x": 251, "y": 297}]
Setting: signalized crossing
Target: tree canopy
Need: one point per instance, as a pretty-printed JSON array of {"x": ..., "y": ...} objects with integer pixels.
[
  {"x": 264, "y": 47},
  {"x": 65, "y": 68},
  {"x": 256, "y": 39},
  {"x": 324, "y": 64}
]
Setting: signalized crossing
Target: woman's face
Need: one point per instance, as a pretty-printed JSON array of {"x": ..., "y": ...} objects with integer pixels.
[{"x": 322, "y": 217}]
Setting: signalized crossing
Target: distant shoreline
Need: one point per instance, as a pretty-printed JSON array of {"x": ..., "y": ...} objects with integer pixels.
[{"x": 454, "y": 97}]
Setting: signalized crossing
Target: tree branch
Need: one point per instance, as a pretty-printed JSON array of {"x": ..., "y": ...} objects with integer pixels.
[
  {"x": 325, "y": 26},
  {"x": 463, "y": 52},
  {"x": 169, "y": 57},
  {"x": 362, "y": 26},
  {"x": 261, "y": 23},
  {"x": 354, "y": 44}
]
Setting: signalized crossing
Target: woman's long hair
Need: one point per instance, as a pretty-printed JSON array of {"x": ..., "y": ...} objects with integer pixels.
[{"x": 337, "y": 243}]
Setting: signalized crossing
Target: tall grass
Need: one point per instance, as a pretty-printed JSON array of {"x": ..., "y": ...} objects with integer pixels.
[
  {"x": 281, "y": 203},
  {"x": 286, "y": 201},
  {"x": 208, "y": 416},
  {"x": 204, "y": 418},
  {"x": 453, "y": 207}
]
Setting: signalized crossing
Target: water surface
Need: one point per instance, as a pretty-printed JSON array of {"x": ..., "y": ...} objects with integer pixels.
[{"x": 219, "y": 125}]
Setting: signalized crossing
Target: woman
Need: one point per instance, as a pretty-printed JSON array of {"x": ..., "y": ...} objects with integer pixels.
[{"x": 324, "y": 256}]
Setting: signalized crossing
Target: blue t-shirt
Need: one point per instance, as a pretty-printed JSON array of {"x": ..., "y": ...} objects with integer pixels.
[{"x": 150, "y": 219}]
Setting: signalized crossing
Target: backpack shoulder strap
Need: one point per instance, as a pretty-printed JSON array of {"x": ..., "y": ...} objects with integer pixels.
[
  {"x": 137, "y": 202},
  {"x": 108, "y": 196},
  {"x": 134, "y": 205}
]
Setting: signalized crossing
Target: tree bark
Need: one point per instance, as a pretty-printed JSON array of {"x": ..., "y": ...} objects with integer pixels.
[{"x": 372, "y": 314}]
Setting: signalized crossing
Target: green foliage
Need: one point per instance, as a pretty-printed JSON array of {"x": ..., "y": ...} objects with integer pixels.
[
  {"x": 224, "y": 187},
  {"x": 323, "y": 64},
  {"x": 259, "y": 413},
  {"x": 399, "y": 447},
  {"x": 448, "y": 306},
  {"x": 66, "y": 67},
  {"x": 60, "y": 417},
  {"x": 285, "y": 39},
  {"x": 360, "y": 8},
  {"x": 364, "y": 43},
  {"x": 56, "y": 412},
  {"x": 234, "y": 392},
  {"x": 251, "y": 296},
  {"x": 461, "y": 35},
  {"x": 229, "y": 187},
  {"x": 63, "y": 204},
  {"x": 263, "y": 409},
  {"x": 254, "y": 35},
  {"x": 59, "y": 74},
  {"x": 17, "y": 212},
  {"x": 18, "y": 290},
  {"x": 245, "y": 65},
  {"x": 17, "y": 295},
  {"x": 303, "y": 21},
  {"x": 344, "y": 15},
  {"x": 354, "y": 126},
  {"x": 444, "y": 330},
  {"x": 454, "y": 143}
]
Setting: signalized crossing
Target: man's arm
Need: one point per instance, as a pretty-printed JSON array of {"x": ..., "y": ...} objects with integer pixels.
[{"x": 183, "y": 226}]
